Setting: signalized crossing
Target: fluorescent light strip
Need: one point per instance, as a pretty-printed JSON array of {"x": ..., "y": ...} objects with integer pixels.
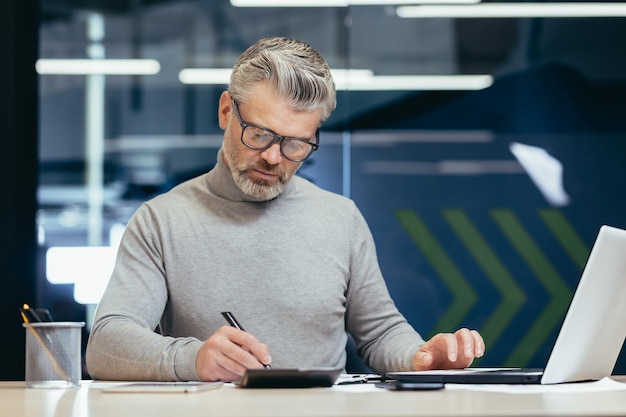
[
  {"x": 222, "y": 75},
  {"x": 340, "y": 3},
  {"x": 418, "y": 83},
  {"x": 514, "y": 10},
  {"x": 359, "y": 80},
  {"x": 97, "y": 66},
  {"x": 205, "y": 75}
]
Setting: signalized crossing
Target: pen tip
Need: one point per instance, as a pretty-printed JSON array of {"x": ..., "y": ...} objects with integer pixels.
[{"x": 25, "y": 306}]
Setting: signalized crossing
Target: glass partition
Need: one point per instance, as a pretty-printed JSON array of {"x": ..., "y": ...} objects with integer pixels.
[{"x": 484, "y": 143}]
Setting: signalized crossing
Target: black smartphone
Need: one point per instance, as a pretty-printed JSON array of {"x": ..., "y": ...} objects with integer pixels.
[
  {"x": 410, "y": 386},
  {"x": 289, "y": 378}
]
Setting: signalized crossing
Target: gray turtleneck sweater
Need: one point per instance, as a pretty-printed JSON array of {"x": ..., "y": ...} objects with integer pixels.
[{"x": 298, "y": 272}]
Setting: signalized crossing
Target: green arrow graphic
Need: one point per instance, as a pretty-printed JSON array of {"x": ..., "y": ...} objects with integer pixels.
[
  {"x": 574, "y": 246},
  {"x": 512, "y": 295},
  {"x": 560, "y": 294},
  {"x": 463, "y": 294}
]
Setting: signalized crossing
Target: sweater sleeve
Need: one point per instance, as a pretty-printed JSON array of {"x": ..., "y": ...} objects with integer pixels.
[
  {"x": 124, "y": 343},
  {"x": 383, "y": 337}
]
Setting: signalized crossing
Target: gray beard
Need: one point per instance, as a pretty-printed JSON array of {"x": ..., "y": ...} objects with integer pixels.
[{"x": 256, "y": 190}]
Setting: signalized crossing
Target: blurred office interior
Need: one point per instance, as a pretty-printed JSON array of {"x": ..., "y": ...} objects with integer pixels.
[{"x": 483, "y": 141}]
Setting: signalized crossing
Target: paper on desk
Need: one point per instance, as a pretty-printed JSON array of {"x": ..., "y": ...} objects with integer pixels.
[
  {"x": 605, "y": 384},
  {"x": 358, "y": 388}
]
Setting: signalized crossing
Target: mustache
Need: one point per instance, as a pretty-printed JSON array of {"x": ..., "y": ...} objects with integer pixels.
[{"x": 264, "y": 166}]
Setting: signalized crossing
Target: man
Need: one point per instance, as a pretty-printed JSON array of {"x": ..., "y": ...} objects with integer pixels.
[{"x": 295, "y": 264}]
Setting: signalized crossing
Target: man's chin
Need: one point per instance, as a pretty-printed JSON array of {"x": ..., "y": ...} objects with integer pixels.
[
  {"x": 262, "y": 189},
  {"x": 262, "y": 182}
]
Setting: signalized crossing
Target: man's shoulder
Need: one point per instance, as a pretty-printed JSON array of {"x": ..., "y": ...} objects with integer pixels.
[
  {"x": 176, "y": 196},
  {"x": 309, "y": 187}
]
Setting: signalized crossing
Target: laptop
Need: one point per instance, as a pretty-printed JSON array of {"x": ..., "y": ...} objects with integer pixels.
[{"x": 590, "y": 339}]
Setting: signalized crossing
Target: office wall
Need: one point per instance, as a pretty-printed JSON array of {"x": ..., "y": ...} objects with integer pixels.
[{"x": 18, "y": 171}]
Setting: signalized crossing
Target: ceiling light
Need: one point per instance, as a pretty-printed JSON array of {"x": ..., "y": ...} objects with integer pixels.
[
  {"x": 418, "y": 83},
  {"x": 340, "y": 3},
  {"x": 205, "y": 75},
  {"x": 222, "y": 75},
  {"x": 98, "y": 66},
  {"x": 359, "y": 80},
  {"x": 514, "y": 10}
]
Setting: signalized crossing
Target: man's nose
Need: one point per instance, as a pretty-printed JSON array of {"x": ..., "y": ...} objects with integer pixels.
[{"x": 272, "y": 154}]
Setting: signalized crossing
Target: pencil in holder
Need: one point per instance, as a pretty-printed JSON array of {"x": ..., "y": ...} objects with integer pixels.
[{"x": 53, "y": 354}]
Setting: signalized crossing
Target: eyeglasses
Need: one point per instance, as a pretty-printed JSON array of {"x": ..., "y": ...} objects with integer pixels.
[{"x": 259, "y": 138}]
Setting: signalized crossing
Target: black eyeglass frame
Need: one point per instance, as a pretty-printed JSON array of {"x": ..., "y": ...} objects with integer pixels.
[{"x": 276, "y": 137}]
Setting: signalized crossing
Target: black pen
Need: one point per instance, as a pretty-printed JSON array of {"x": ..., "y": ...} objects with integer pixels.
[
  {"x": 44, "y": 314},
  {"x": 233, "y": 322}
]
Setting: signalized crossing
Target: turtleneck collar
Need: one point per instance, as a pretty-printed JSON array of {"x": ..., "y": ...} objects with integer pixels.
[{"x": 221, "y": 183}]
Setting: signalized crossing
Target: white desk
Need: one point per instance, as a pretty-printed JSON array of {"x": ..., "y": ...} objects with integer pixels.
[{"x": 89, "y": 401}]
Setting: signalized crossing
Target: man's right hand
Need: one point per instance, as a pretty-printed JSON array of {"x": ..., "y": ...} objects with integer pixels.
[{"x": 227, "y": 354}]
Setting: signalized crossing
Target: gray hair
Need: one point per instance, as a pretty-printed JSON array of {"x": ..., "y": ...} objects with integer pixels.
[{"x": 297, "y": 72}]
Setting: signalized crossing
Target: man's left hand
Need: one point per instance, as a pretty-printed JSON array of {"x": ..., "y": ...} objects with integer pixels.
[{"x": 449, "y": 350}]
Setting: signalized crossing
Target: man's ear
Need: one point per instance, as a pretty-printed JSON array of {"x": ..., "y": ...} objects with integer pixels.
[{"x": 224, "y": 110}]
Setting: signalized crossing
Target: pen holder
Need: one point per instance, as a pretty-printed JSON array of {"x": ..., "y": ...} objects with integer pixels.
[{"x": 53, "y": 354}]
